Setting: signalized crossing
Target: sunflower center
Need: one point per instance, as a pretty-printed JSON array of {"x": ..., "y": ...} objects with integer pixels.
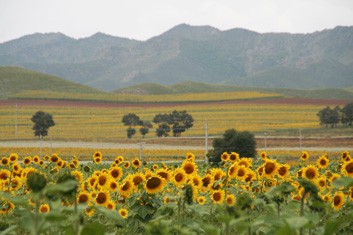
[
  {"x": 241, "y": 172},
  {"x": 323, "y": 162},
  {"x": 349, "y": 168},
  {"x": 82, "y": 198},
  {"x": 101, "y": 198},
  {"x": 270, "y": 167},
  {"x": 153, "y": 182},
  {"x": 115, "y": 173},
  {"x": 179, "y": 177},
  {"x": 126, "y": 186},
  {"x": 163, "y": 175},
  {"x": 189, "y": 169},
  {"x": 102, "y": 180},
  {"x": 137, "y": 180},
  {"x": 282, "y": 171},
  {"x": 336, "y": 200},
  {"x": 310, "y": 173},
  {"x": 216, "y": 196}
]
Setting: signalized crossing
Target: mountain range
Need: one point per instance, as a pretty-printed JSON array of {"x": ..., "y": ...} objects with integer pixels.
[{"x": 205, "y": 54}]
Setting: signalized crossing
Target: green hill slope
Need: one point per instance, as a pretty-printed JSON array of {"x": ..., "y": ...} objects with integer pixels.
[{"x": 15, "y": 79}]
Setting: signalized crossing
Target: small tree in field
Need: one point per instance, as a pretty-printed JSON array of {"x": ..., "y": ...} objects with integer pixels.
[
  {"x": 42, "y": 122},
  {"x": 176, "y": 121},
  {"x": 243, "y": 143},
  {"x": 131, "y": 120},
  {"x": 146, "y": 125}
]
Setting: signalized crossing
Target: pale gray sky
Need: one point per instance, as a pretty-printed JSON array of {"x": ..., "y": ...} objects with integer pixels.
[{"x": 143, "y": 19}]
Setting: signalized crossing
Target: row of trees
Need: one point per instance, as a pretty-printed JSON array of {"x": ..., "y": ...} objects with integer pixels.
[
  {"x": 176, "y": 122},
  {"x": 332, "y": 117}
]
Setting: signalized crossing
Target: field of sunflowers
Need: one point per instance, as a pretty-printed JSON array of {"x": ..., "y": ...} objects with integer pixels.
[{"x": 51, "y": 195}]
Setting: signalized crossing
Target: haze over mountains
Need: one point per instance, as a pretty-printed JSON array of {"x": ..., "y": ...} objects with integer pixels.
[{"x": 192, "y": 53}]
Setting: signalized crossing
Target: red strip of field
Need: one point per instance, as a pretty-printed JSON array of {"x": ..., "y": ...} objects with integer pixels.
[{"x": 105, "y": 104}]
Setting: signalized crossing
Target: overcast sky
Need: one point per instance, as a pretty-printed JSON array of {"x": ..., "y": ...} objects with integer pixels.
[{"x": 142, "y": 19}]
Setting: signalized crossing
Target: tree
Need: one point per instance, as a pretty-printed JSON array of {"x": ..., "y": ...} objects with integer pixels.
[
  {"x": 177, "y": 121},
  {"x": 243, "y": 143},
  {"x": 146, "y": 125},
  {"x": 329, "y": 116},
  {"x": 42, "y": 122},
  {"x": 347, "y": 114},
  {"x": 131, "y": 120}
]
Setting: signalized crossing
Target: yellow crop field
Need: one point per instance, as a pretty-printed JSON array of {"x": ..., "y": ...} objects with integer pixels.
[{"x": 104, "y": 123}]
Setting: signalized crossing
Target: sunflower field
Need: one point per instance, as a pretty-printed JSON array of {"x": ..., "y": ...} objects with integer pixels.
[{"x": 50, "y": 195}]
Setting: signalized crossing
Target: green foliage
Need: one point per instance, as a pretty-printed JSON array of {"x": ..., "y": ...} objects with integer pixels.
[
  {"x": 177, "y": 121},
  {"x": 42, "y": 122},
  {"x": 243, "y": 143}
]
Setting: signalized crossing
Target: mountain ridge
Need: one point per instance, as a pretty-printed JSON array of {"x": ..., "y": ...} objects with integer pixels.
[{"x": 191, "y": 53}]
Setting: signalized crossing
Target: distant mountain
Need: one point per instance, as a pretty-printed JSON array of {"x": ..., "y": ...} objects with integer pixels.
[
  {"x": 14, "y": 80},
  {"x": 192, "y": 53}
]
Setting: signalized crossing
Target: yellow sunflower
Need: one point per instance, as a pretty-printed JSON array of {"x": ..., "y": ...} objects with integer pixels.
[
  {"x": 323, "y": 162},
  {"x": 345, "y": 155},
  {"x": 119, "y": 159},
  {"x": 36, "y": 159},
  {"x": 164, "y": 173},
  {"x": 230, "y": 200},
  {"x": 347, "y": 168},
  {"x": 27, "y": 160},
  {"x": 250, "y": 176},
  {"x": 225, "y": 157},
  {"x": 305, "y": 156},
  {"x": 207, "y": 181},
  {"x": 102, "y": 198},
  {"x": 44, "y": 208},
  {"x": 126, "y": 164},
  {"x": 334, "y": 177},
  {"x": 126, "y": 187},
  {"x": 113, "y": 185},
  {"x": 283, "y": 171},
  {"x": 4, "y": 174},
  {"x": 201, "y": 200},
  {"x": 155, "y": 184},
  {"x": 124, "y": 213},
  {"x": 241, "y": 173},
  {"x": 16, "y": 184},
  {"x": 179, "y": 177},
  {"x": 5, "y": 161},
  {"x": 13, "y": 157},
  {"x": 232, "y": 170},
  {"x": 84, "y": 197},
  {"x": 338, "y": 200},
  {"x": 97, "y": 154},
  {"x": 218, "y": 174},
  {"x": 116, "y": 172},
  {"x": 97, "y": 160},
  {"x": 190, "y": 157},
  {"x": 217, "y": 196},
  {"x": 137, "y": 178},
  {"x": 247, "y": 162},
  {"x": 196, "y": 181},
  {"x": 136, "y": 163},
  {"x": 310, "y": 172},
  {"x": 270, "y": 168},
  {"x": 263, "y": 156},
  {"x": 54, "y": 158},
  {"x": 7, "y": 206},
  {"x": 103, "y": 181},
  {"x": 233, "y": 157},
  {"x": 189, "y": 167},
  {"x": 321, "y": 182},
  {"x": 111, "y": 205}
]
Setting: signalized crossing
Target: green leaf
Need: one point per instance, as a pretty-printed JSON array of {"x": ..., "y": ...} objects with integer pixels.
[
  {"x": 93, "y": 229},
  {"x": 60, "y": 188},
  {"x": 343, "y": 182},
  {"x": 9, "y": 230},
  {"x": 297, "y": 222}
]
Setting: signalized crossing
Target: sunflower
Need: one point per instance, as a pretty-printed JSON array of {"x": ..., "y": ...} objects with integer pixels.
[
  {"x": 126, "y": 187},
  {"x": 90, "y": 211},
  {"x": 270, "y": 168},
  {"x": 351, "y": 193},
  {"x": 5, "y": 161},
  {"x": 116, "y": 172},
  {"x": 250, "y": 176},
  {"x": 225, "y": 157},
  {"x": 241, "y": 172},
  {"x": 7, "y": 207},
  {"x": 103, "y": 181},
  {"x": 111, "y": 205},
  {"x": 283, "y": 170},
  {"x": 326, "y": 197},
  {"x": 190, "y": 157},
  {"x": 179, "y": 177},
  {"x": 217, "y": 196},
  {"x": 78, "y": 175},
  {"x": 345, "y": 155},
  {"x": 322, "y": 162},
  {"x": 124, "y": 213},
  {"x": 247, "y": 162},
  {"x": 127, "y": 164},
  {"x": 44, "y": 208},
  {"x": 218, "y": 174},
  {"x": 54, "y": 158},
  {"x": 137, "y": 178},
  {"x": 113, "y": 185},
  {"x": 36, "y": 159},
  {"x": 119, "y": 159},
  {"x": 334, "y": 177},
  {"x": 4, "y": 174},
  {"x": 201, "y": 200},
  {"x": 13, "y": 157},
  {"x": 97, "y": 160},
  {"x": 305, "y": 156},
  {"x": 155, "y": 184},
  {"x": 27, "y": 160},
  {"x": 338, "y": 200},
  {"x": 207, "y": 181},
  {"x": 263, "y": 155},
  {"x": 232, "y": 170},
  {"x": 84, "y": 197},
  {"x": 196, "y": 181},
  {"x": 233, "y": 157},
  {"x": 155, "y": 167},
  {"x": 97, "y": 154},
  {"x": 347, "y": 168},
  {"x": 102, "y": 198},
  {"x": 230, "y": 200},
  {"x": 321, "y": 182},
  {"x": 310, "y": 172},
  {"x": 136, "y": 163},
  {"x": 189, "y": 167},
  {"x": 149, "y": 173},
  {"x": 93, "y": 181},
  {"x": 164, "y": 173},
  {"x": 15, "y": 183}
]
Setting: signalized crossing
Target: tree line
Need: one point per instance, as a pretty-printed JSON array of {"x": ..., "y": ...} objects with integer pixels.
[
  {"x": 176, "y": 122},
  {"x": 331, "y": 117}
]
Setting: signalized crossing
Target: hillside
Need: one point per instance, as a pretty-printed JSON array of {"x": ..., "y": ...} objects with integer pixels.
[
  {"x": 15, "y": 79},
  {"x": 192, "y": 53}
]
